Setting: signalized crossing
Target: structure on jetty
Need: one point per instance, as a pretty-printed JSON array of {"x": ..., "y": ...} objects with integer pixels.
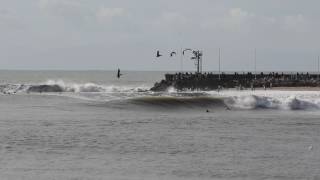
[
  {"x": 210, "y": 81},
  {"x": 216, "y": 81}
]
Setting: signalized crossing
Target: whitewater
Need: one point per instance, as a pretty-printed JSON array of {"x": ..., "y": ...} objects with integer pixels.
[
  {"x": 91, "y": 125},
  {"x": 236, "y": 99}
]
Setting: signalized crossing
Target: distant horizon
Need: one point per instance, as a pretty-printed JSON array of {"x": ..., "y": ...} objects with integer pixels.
[{"x": 177, "y": 71}]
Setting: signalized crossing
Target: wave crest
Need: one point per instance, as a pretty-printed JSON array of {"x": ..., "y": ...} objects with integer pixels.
[
  {"x": 263, "y": 102},
  {"x": 52, "y": 86},
  {"x": 173, "y": 102},
  {"x": 242, "y": 100},
  {"x": 75, "y": 87}
]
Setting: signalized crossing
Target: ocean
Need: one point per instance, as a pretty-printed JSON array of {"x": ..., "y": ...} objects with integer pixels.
[{"x": 98, "y": 127}]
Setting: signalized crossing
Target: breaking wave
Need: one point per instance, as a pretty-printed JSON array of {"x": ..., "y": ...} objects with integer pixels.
[
  {"x": 92, "y": 87},
  {"x": 52, "y": 86},
  {"x": 250, "y": 102},
  {"x": 236, "y": 100},
  {"x": 284, "y": 100},
  {"x": 141, "y": 96},
  {"x": 173, "y": 102},
  {"x": 256, "y": 102}
]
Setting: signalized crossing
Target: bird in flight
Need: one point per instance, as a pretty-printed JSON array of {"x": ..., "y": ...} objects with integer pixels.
[
  {"x": 186, "y": 50},
  {"x": 173, "y": 53},
  {"x": 158, "y": 54}
]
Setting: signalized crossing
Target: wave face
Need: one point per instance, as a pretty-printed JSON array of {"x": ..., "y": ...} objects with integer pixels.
[
  {"x": 89, "y": 87},
  {"x": 236, "y": 100},
  {"x": 140, "y": 96},
  {"x": 52, "y": 86},
  {"x": 256, "y": 102},
  {"x": 174, "y": 102},
  {"x": 228, "y": 103},
  {"x": 281, "y": 100}
]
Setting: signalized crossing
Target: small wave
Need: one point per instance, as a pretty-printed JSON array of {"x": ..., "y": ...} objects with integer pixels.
[
  {"x": 251, "y": 102},
  {"x": 52, "y": 86},
  {"x": 173, "y": 102},
  {"x": 179, "y": 102},
  {"x": 140, "y": 95},
  {"x": 297, "y": 104},
  {"x": 92, "y": 87}
]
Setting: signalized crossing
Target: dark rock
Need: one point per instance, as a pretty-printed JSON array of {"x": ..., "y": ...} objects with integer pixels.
[{"x": 45, "y": 88}]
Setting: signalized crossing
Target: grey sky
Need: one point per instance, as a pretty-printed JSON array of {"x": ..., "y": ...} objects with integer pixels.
[{"x": 107, "y": 34}]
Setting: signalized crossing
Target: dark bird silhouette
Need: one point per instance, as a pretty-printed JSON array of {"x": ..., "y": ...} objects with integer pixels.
[
  {"x": 119, "y": 74},
  {"x": 186, "y": 50},
  {"x": 173, "y": 53},
  {"x": 158, "y": 54}
]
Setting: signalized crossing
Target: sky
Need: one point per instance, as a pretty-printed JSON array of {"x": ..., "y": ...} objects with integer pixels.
[{"x": 111, "y": 34}]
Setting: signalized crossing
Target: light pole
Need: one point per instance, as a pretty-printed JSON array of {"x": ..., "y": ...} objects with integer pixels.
[
  {"x": 197, "y": 57},
  {"x": 219, "y": 63},
  {"x": 255, "y": 63},
  {"x": 318, "y": 68},
  {"x": 181, "y": 60}
]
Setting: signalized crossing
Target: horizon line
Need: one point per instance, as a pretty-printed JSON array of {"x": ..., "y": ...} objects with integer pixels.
[{"x": 134, "y": 70}]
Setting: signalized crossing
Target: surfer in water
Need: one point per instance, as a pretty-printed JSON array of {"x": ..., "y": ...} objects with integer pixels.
[{"x": 119, "y": 74}]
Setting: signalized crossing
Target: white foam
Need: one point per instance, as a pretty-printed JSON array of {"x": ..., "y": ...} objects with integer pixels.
[
  {"x": 272, "y": 99},
  {"x": 171, "y": 89},
  {"x": 293, "y": 100},
  {"x": 92, "y": 87}
]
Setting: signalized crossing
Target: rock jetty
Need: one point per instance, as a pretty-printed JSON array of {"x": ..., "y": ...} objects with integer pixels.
[{"x": 211, "y": 81}]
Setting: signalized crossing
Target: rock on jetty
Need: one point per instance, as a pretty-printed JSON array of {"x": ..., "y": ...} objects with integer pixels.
[
  {"x": 210, "y": 81},
  {"x": 45, "y": 88}
]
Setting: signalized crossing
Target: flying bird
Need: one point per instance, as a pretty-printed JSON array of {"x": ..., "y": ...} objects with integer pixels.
[
  {"x": 119, "y": 74},
  {"x": 158, "y": 54},
  {"x": 186, "y": 50},
  {"x": 173, "y": 53}
]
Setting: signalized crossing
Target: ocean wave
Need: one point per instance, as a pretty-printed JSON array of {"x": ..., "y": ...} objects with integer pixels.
[
  {"x": 52, "y": 86},
  {"x": 92, "y": 87},
  {"x": 173, "y": 102},
  {"x": 251, "y": 102},
  {"x": 140, "y": 95}
]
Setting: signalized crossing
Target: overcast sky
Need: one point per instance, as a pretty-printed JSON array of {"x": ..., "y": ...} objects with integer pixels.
[{"x": 107, "y": 34}]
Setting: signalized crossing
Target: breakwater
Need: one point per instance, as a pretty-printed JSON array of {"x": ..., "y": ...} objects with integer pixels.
[{"x": 212, "y": 81}]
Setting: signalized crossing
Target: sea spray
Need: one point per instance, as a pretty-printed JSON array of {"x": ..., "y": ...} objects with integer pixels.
[{"x": 252, "y": 102}]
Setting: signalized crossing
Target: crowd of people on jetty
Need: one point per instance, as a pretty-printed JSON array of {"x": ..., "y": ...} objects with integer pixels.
[
  {"x": 236, "y": 76},
  {"x": 209, "y": 81}
]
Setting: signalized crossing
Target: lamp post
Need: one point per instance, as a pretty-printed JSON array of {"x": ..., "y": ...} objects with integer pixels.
[
  {"x": 197, "y": 57},
  {"x": 318, "y": 68},
  {"x": 255, "y": 63},
  {"x": 219, "y": 63}
]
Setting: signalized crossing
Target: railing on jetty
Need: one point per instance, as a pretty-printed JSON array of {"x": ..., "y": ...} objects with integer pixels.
[{"x": 213, "y": 81}]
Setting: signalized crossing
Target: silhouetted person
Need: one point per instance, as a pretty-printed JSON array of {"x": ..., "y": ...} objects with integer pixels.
[{"x": 119, "y": 74}]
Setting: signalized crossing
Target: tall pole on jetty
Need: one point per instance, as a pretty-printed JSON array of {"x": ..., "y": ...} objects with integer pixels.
[
  {"x": 255, "y": 63},
  {"x": 181, "y": 59},
  {"x": 201, "y": 54},
  {"x": 318, "y": 67},
  {"x": 219, "y": 63}
]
